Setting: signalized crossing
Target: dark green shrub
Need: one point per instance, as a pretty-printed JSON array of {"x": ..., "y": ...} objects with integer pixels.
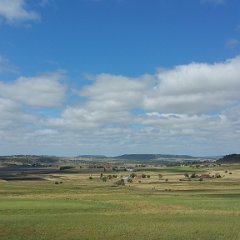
[
  {"x": 104, "y": 179},
  {"x": 160, "y": 176},
  {"x": 217, "y": 175},
  {"x": 120, "y": 182},
  {"x": 133, "y": 175},
  {"x": 193, "y": 175},
  {"x": 186, "y": 175},
  {"x": 129, "y": 180},
  {"x": 65, "y": 167}
]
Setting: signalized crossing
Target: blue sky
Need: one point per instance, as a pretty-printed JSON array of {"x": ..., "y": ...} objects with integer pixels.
[{"x": 117, "y": 76}]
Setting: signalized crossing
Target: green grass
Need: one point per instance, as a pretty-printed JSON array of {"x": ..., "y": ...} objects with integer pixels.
[{"x": 41, "y": 210}]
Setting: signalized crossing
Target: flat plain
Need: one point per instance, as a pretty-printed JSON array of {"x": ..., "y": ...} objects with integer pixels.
[{"x": 79, "y": 205}]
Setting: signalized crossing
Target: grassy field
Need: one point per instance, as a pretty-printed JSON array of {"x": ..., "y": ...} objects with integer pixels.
[{"x": 80, "y": 208}]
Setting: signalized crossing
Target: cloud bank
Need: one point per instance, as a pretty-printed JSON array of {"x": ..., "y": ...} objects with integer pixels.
[
  {"x": 192, "y": 108},
  {"x": 17, "y": 11}
]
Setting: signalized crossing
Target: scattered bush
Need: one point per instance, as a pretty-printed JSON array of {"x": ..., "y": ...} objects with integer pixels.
[
  {"x": 104, "y": 179},
  {"x": 148, "y": 176},
  {"x": 143, "y": 175},
  {"x": 160, "y": 176},
  {"x": 65, "y": 167},
  {"x": 193, "y": 175},
  {"x": 133, "y": 175},
  {"x": 166, "y": 180},
  {"x": 120, "y": 182},
  {"x": 90, "y": 178},
  {"x": 129, "y": 180},
  {"x": 217, "y": 175},
  {"x": 186, "y": 175}
]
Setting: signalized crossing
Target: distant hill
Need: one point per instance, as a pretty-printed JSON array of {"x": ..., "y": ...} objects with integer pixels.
[
  {"x": 92, "y": 156},
  {"x": 231, "y": 158},
  {"x": 147, "y": 157},
  {"x": 28, "y": 159}
]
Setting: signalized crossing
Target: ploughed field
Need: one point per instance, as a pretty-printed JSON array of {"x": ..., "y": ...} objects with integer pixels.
[{"x": 80, "y": 205}]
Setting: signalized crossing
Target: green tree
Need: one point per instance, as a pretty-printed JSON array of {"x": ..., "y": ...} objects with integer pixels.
[
  {"x": 104, "y": 179},
  {"x": 120, "y": 182}
]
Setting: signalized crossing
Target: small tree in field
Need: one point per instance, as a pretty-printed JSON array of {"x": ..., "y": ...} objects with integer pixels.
[
  {"x": 120, "y": 182},
  {"x": 193, "y": 175},
  {"x": 129, "y": 180},
  {"x": 186, "y": 175},
  {"x": 133, "y": 175},
  {"x": 104, "y": 179}
]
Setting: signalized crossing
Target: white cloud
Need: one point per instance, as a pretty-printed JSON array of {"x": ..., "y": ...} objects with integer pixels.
[
  {"x": 192, "y": 108},
  {"x": 5, "y": 66},
  {"x": 196, "y": 88},
  {"x": 12, "y": 116},
  {"x": 232, "y": 43},
  {"x": 42, "y": 91},
  {"x": 109, "y": 100},
  {"x": 17, "y": 10},
  {"x": 116, "y": 92}
]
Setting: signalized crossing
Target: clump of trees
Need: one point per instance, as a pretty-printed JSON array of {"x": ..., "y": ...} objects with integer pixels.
[
  {"x": 65, "y": 167},
  {"x": 193, "y": 175},
  {"x": 108, "y": 177},
  {"x": 133, "y": 175},
  {"x": 231, "y": 158},
  {"x": 58, "y": 182},
  {"x": 217, "y": 175}
]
